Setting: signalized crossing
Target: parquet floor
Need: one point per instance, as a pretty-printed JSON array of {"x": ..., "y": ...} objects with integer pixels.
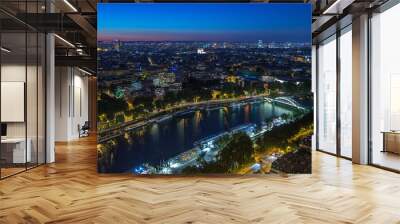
[{"x": 70, "y": 191}]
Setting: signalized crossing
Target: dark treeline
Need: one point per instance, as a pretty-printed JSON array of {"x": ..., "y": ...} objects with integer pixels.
[{"x": 238, "y": 148}]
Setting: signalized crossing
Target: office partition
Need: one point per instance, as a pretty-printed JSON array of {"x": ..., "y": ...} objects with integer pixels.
[{"x": 22, "y": 77}]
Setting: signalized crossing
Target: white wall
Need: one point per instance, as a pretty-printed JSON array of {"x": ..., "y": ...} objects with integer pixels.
[
  {"x": 17, "y": 73},
  {"x": 33, "y": 126},
  {"x": 71, "y": 102},
  {"x": 62, "y": 82},
  {"x": 12, "y": 73},
  {"x": 80, "y": 101}
]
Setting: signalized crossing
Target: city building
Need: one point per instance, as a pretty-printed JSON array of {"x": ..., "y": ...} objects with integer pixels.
[
  {"x": 164, "y": 79},
  {"x": 201, "y": 51},
  {"x": 159, "y": 92},
  {"x": 136, "y": 86},
  {"x": 48, "y": 150},
  {"x": 268, "y": 78},
  {"x": 175, "y": 87},
  {"x": 260, "y": 44},
  {"x": 117, "y": 45}
]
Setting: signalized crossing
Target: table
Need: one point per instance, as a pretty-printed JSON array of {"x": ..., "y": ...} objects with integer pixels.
[
  {"x": 13, "y": 150},
  {"x": 391, "y": 141}
]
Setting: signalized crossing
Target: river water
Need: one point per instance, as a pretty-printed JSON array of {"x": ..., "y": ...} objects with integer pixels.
[{"x": 160, "y": 141}]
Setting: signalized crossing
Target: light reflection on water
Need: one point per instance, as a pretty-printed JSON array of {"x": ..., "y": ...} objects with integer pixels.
[{"x": 158, "y": 142}]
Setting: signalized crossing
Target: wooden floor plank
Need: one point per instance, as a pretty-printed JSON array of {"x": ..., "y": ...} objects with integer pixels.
[{"x": 71, "y": 191}]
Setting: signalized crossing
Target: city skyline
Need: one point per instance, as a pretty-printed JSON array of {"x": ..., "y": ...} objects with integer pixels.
[{"x": 230, "y": 22}]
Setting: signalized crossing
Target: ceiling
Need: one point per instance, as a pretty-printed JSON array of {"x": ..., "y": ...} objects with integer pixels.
[{"x": 74, "y": 22}]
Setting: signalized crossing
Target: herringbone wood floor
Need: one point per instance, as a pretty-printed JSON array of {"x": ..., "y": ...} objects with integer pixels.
[{"x": 70, "y": 191}]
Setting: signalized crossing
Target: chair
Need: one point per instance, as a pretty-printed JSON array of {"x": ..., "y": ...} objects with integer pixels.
[{"x": 84, "y": 130}]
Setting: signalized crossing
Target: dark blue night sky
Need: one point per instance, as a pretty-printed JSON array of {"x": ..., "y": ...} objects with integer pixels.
[{"x": 204, "y": 22}]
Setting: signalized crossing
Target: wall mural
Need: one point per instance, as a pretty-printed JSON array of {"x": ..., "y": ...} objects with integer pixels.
[{"x": 204, "y": 88}]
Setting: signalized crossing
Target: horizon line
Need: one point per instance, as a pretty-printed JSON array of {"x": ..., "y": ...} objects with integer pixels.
[{"x": 219, "y": 41}]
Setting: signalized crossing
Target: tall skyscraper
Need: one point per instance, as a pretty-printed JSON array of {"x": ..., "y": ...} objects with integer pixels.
[
  {"x": 117, "y": 45},
  {"x": 260, "y": 44}
]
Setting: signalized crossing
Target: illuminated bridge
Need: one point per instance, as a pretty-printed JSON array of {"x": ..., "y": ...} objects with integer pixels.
[{"x": 289, "y": 101}]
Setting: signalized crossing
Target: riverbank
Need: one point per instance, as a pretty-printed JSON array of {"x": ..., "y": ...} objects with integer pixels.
[
  {"x": 207, "y": 150},
  {"x": 183, "y": 106},
  {"x": 108, "y": 134}
]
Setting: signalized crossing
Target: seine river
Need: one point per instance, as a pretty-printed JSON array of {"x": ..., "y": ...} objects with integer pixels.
[{"x": 160, "y": 141}]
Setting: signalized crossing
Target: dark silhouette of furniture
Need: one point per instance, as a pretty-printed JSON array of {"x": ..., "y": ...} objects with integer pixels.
[{"x": 84, "y": 129}]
